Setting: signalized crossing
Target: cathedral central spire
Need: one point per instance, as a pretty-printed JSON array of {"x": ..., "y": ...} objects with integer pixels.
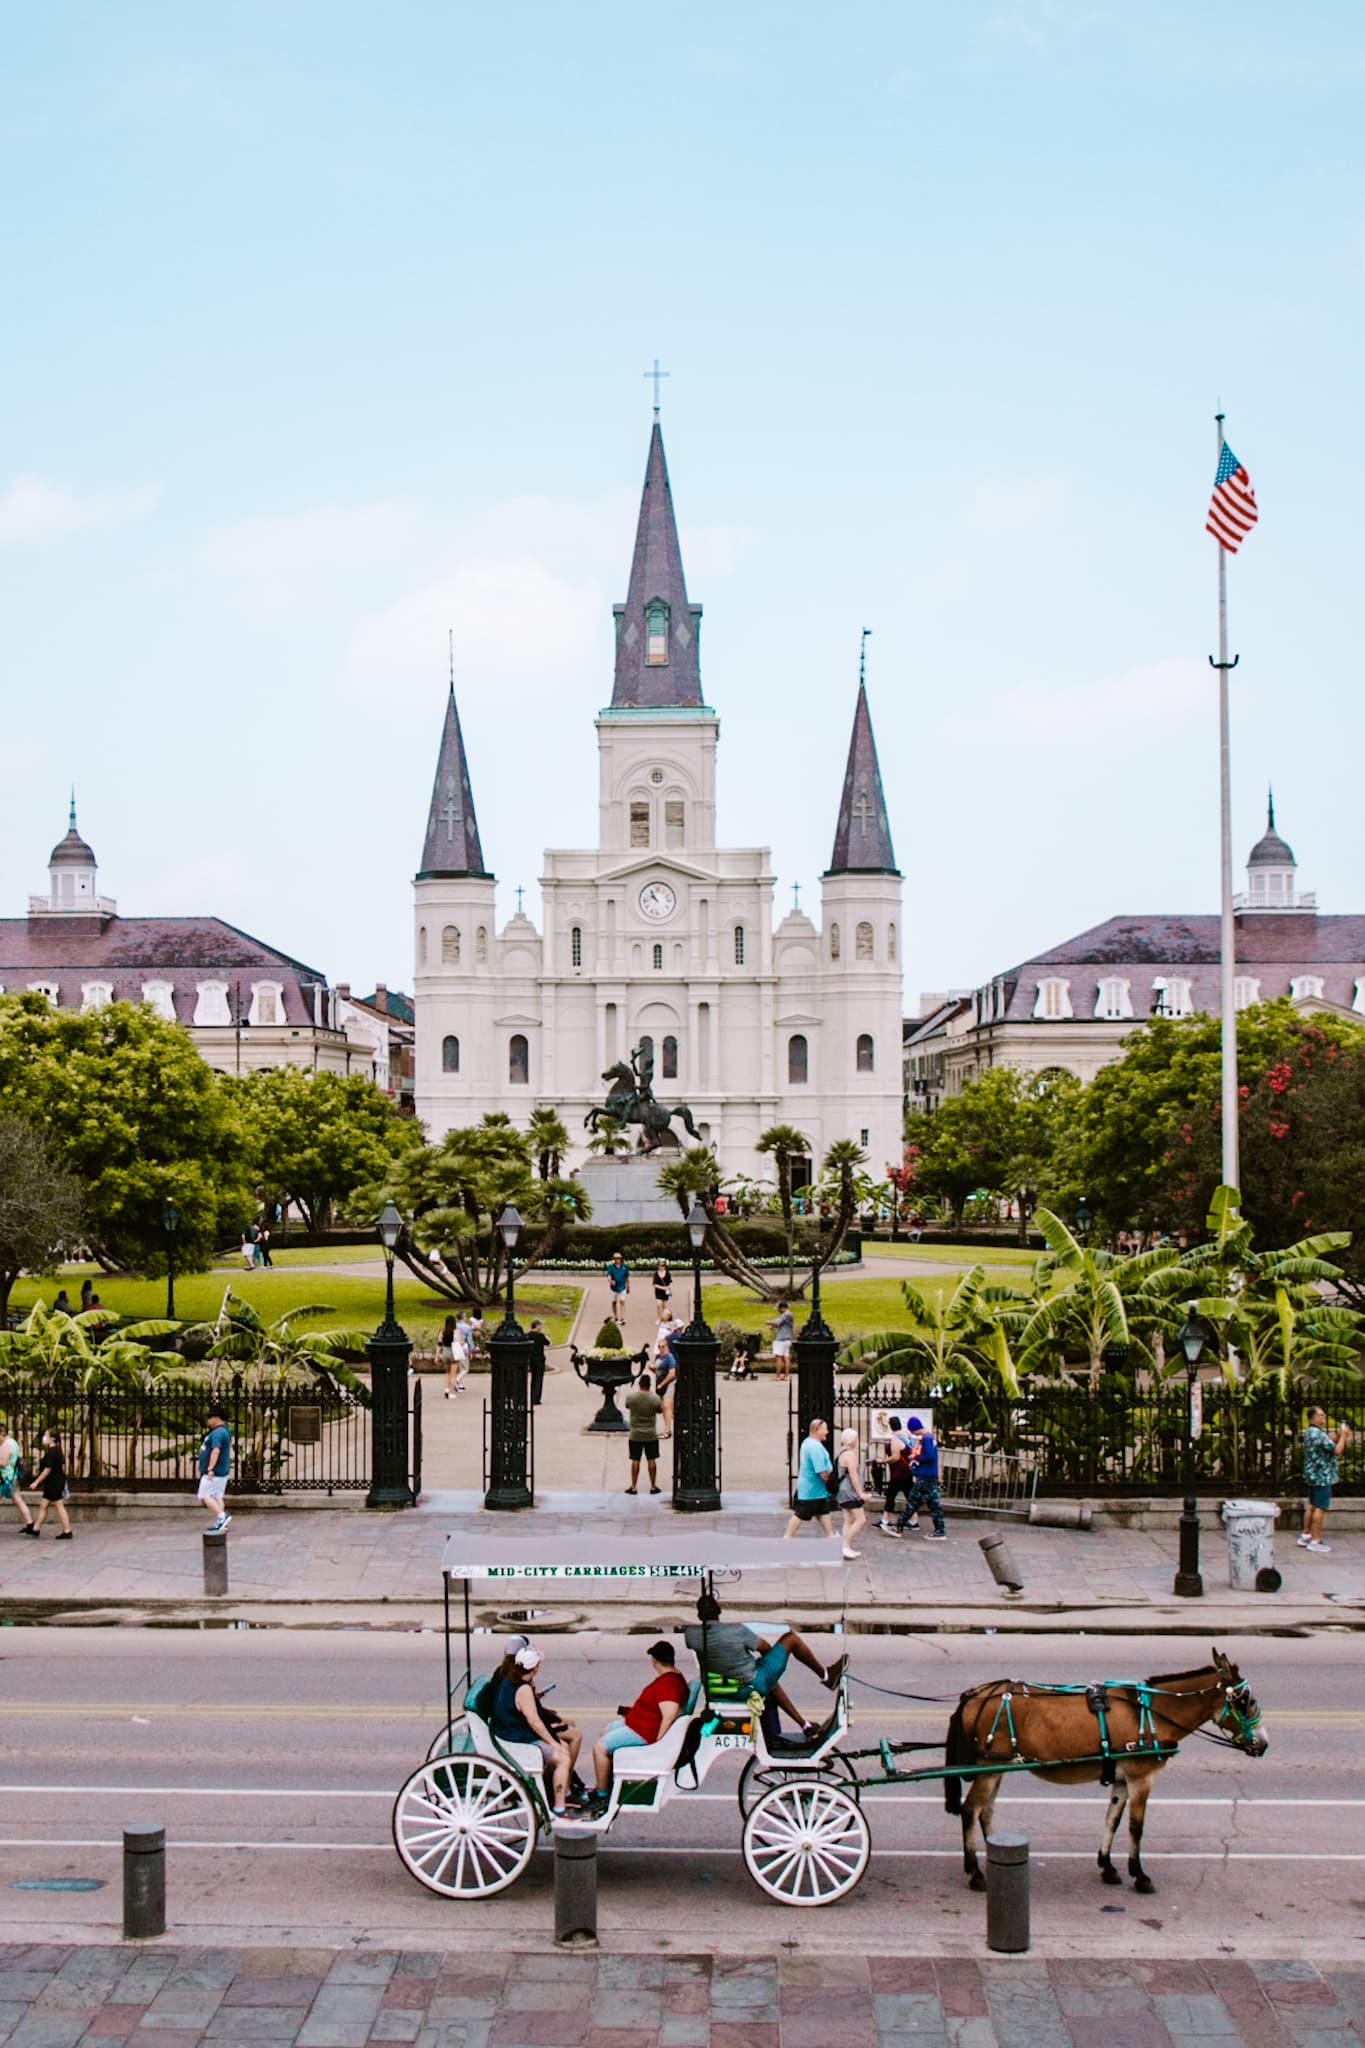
[{"x": 656, "y": 628}]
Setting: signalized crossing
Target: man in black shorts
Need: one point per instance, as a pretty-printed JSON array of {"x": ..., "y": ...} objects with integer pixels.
[{"x": 643, "y": 1409}]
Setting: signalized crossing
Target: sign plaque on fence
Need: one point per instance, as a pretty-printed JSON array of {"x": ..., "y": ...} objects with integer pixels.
[{"x": 305, "y": 1424}]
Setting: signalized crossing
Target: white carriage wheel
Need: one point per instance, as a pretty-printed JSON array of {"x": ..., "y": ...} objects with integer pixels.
[
  {"x": 464, "y": 1826},
  {"x": 806, "y": 1843},
  {"x": 754, "y": 1782}
]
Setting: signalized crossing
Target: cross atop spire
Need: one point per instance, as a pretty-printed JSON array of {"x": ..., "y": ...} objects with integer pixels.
[
  {"x": 658, "y": 375},
  {"x": 862, "y": 837},
  {"x": 451, "y": 846},
  {"x": 656, "y": 627}
]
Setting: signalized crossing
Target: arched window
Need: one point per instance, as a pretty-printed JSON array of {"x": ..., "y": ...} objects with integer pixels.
[
  {"x": 450, "y": 1055},
  {"x": 834, "y": 942},
  {"x": 646, "y": 1048},
  {"x": 450, "y": 946},
  {"x": 639, "y": 822},
  {"x": 675, "y": 822},
  {"x": 481, "y": 944},
  {"x": 862, "y": 941},
  {"x": 739, "y": 945},
  {"x": 1053, "y": 998},
  {"x": 576, "y": 945},
  {"x": 670, "y": 1065},
  {"x": 865, "y": 1061},
  {"x": 421, "y": 945},
  {"x": 656, "y": 633},
  {"x": 658, "y": 958},
  {"x": 798, "y": 1059},
  {"x": 890, "y": 942},
  {"x": 518, "y": 1060}
]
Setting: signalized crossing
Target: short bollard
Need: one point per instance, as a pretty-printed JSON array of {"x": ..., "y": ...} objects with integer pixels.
[
  {"x": 575, "y": 1886},
  {"x": 144, "y": 1883},
  {"x": 215, "y": 1565},
  {"x": 1007, "y": 1894},
  {"x": 1003, "y": 1568}
]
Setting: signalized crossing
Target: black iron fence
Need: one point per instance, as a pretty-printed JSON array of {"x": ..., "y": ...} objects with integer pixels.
[
  {"x": 1068, "y": 1440},
  {"x": 146, "y": 1437}
]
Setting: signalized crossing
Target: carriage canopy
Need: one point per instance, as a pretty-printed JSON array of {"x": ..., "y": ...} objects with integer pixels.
[{"x": 610, "y": 1559}]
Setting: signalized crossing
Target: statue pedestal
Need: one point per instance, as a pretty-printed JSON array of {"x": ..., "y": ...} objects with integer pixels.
[{"x": 627, "y": 1191}]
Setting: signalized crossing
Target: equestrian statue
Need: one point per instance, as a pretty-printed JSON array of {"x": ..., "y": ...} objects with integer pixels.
[{"x": 630, "y": 1100}]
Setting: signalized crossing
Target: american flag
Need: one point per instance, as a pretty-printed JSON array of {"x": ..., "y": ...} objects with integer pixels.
[{"x": 1232, "y": 510}]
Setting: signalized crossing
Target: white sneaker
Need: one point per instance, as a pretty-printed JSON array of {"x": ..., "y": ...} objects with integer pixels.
[
  {"x": 1321, "y": 1548},
  {"x": 1303, "y": 1541}
]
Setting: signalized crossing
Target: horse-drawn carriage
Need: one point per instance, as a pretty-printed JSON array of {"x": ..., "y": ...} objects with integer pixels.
[{"x": 467, "y": 1820}]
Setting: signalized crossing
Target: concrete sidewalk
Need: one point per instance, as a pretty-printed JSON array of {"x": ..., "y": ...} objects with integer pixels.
[
  {"x": 163, "y": 1997},
  {"x": 384, "y": 1570}
]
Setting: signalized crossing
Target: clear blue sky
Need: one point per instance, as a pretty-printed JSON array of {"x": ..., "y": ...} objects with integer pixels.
[{"x": 323, "y": 327}]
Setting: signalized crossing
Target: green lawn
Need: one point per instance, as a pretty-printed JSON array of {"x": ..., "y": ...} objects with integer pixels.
[
  {"x": 358, "y": 1303},
  {"x": 851, "y": 1307},
  {"x": 963, "y": 1255},
  {"x": 316, "y": 1255}
]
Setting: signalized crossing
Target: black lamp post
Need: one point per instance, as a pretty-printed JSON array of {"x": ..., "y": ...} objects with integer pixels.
[
  {"x": 1085, "y": 1216},
  {"x": 815, "y": 1353},
  {"x": 694, "y": 1404},
  {"x": 170, "y": 1223},
  {"x": 1188, "y": 1584},
  {"x": 388, "y": 1352},
  {"x": 509, "y": 1357}
]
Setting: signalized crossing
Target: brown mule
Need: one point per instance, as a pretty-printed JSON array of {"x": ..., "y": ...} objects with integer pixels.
[{"x": 1040, "y": 1727}]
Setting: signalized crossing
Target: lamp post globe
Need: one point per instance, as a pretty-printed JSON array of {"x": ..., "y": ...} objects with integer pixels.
[{"x": 1085, "y": 1216}]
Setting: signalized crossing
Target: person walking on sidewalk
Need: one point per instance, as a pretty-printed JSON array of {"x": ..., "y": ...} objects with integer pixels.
[
  {"x": 851, "y": 1497},
  {"x": 924, "y": 1482},
  {"x": 11, "y": 1466},
  {"x": 50, "y": 1480},
  {"x": 618, "y": 1280},
  {"x": 1321, "y": 1451},
  {"x": 540, "y": 1345},
  {"x": 643, "y": 1409},
  {"x": 663, "y": 1288},
  {"x": 812, "y": 1502},
  {"x": 899, "y": 1481},
  {"x": 783, "y": 1326},
  {"x": 215, "y": 1464}
]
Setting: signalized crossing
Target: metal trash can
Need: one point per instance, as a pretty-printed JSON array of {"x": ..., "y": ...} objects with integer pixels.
[{"x": 1251, "y": 1545}]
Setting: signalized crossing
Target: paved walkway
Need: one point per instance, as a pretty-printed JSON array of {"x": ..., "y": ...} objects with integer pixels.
[
  {"x": 340, "y": 1557},
  {"x": 159, "y": 1997}
]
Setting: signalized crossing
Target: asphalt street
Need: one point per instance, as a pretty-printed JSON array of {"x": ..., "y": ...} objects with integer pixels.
[{"x": 273, "y": 1758}]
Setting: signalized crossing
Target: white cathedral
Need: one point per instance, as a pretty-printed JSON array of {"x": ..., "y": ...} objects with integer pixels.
[{"x": 657, "y": 936}]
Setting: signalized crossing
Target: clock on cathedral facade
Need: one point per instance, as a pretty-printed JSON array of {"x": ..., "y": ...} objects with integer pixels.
[{"x": 660, "y": 934}]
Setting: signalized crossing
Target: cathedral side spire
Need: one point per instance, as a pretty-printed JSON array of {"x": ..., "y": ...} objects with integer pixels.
[
  {"x": 657, "y": 666},
  {"x": 451, "y": 846},
  {"x": 862, "y": 837}
]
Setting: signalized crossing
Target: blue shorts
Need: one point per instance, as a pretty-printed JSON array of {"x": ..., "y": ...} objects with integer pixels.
[
  {"x": 1320, "y": 1497},
  {"x": 769, "y": 1669},
  {"x": 618, "y": 1736}
]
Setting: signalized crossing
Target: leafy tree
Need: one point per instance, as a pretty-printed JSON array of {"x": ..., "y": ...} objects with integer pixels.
[
  {"x": 950, "y": 1341},
  {"x": 315, "y": 1137},
  {"x": 452, "y": 1194},
  {"x": 40, "y": 1205},
  {"x": 1271, "y": 1308},
  {"x": 132, "y": 1113},
  {"x": 273, "y": 1353},
  {"x": 1102, "y": 1301},
  {"x": 549, "y": 1141},
  {"x": 784, "y": 1144},
  {"x": 999, "y": 1136},
  {"x": 1147, "y": 1137}
]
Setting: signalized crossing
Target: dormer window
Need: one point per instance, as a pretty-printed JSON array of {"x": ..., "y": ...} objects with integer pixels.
[
  {"x": 1246, "y": 992},
  {"x": 656, "y": 634},
  {"x": 1304, "y": 986},
  {"x": 1053, "y": 998}
]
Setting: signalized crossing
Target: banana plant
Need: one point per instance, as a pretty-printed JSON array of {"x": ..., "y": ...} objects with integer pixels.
[
  {"x": 1098, "y": 1301},
  {"x": 948, "y": 1340}
]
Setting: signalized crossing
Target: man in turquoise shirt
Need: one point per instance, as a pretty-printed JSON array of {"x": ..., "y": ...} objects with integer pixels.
[{"x": 812, "y": 1502}]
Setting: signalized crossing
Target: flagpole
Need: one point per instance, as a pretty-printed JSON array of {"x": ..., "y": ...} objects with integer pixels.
[{"x": 1228, "y": 934}]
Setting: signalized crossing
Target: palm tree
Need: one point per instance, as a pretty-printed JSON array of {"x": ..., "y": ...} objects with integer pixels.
[
  {"x": 954, "y": 1339},
  {"x": 609, "y": 1137},
  {"x": 549, "y": 1141},
  {"x": 1102, "y": 1300},
  {"x": 783, "y": 1143},
  {"x": 844, "y": 1162}
]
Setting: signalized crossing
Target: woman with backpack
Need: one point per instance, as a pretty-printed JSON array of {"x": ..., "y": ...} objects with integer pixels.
[
  {"x": 850, "y": 1497},
  {"x": 13, "y": 1476}
]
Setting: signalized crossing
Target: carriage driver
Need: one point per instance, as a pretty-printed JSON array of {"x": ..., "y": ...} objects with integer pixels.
[{"x": 733, "y": 1650}]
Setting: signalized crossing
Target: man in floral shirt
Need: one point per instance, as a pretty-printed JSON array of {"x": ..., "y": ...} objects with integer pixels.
[{"x": 1320, "y": 1454}]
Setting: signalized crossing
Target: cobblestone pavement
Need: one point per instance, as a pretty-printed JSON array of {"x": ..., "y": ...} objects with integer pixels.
[{"x": 316, "y": 1998}]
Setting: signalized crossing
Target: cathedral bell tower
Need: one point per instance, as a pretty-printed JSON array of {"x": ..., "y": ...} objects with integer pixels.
[{"x": 454, "y": 985}]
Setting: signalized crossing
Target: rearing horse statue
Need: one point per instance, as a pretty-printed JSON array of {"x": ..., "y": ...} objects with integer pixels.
[{"x": 630, "y": 1100}]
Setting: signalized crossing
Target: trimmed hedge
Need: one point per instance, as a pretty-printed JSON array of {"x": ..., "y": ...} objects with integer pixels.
[{"x": 759, "y": 1237}]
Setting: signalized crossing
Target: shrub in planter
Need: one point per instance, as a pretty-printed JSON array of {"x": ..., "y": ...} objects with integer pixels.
[{"x": 609, "y": 1337}]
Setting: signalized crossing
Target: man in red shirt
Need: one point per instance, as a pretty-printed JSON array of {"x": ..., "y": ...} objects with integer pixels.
[{"x": 655, "y": 1711}]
